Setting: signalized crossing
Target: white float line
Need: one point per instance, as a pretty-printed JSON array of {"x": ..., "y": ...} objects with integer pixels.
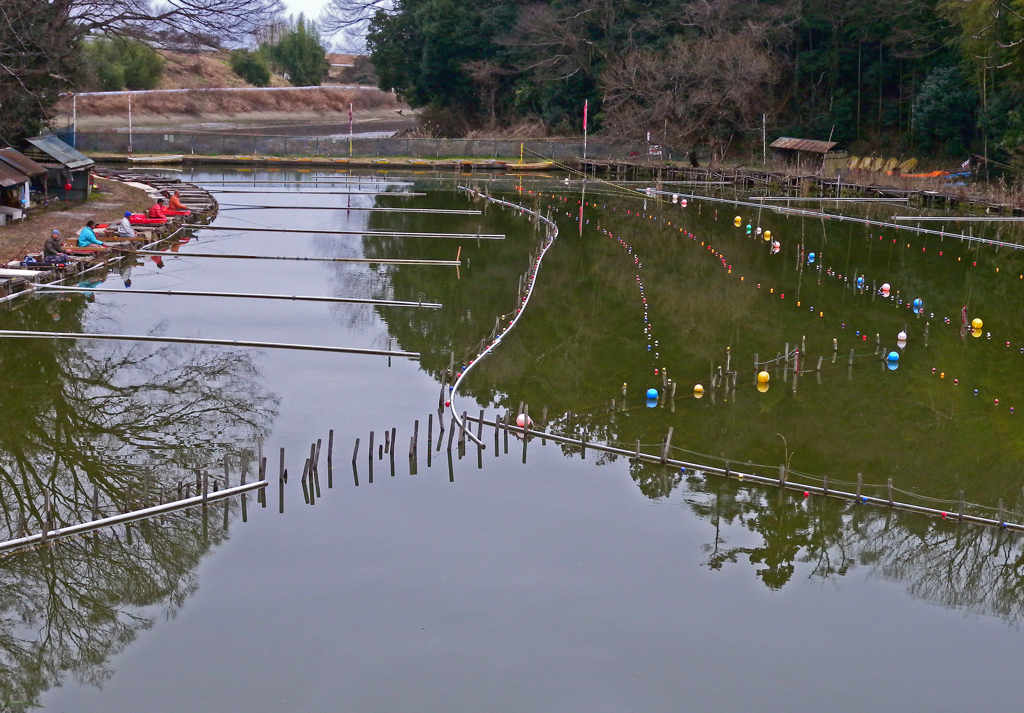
[
  {"x": 833, "y": 216},
  {"x": 242, "y": 295},
  {"x": 15, "y": 334},
  {"x": 519, "y": 313}
]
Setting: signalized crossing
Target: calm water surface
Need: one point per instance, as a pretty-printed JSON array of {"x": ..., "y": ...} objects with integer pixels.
[{"x": 480, "y": 583}]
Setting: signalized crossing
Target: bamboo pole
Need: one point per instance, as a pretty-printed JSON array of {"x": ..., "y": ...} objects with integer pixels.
[
  {"x": 244, "y": 295},
  {"x": 373, "y": 261},
  {"x": 367, "y": 209},
  {"x": 958, "y": 219},
  {"x": 14, "y": 334},
  {"x": 317, "y": 193},
  {"x": 365, "y": 233},
  {"x": 133, "y": 516}
]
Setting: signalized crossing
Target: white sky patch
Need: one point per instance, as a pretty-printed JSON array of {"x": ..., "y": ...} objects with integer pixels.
[{"x": 311, "y": 8}]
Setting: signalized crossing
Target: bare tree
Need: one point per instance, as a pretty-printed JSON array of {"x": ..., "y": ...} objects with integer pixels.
[
  {"x": 711, "y": 89},
  {"x": 350, "y": 18},
  {"x": 40, "y": 42}
]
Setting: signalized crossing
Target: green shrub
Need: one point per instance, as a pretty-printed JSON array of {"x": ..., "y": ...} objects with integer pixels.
[
  {"x": 113, "y": 65},
  {"x": 251, "y": 67}
]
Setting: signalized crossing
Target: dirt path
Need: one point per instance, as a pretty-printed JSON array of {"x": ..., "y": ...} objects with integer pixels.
[{"x": 105, "y": 206}]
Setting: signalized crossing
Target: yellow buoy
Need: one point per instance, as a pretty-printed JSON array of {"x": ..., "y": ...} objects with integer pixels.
[
  {"x": 762, "y": 388},
  {"x": 976, "y": 323},
  {"x": 763, "y": 377},
  {"x": 976, "y": 332},
  {"x": 737, "y": 221},
  {"x": 767, "y": 235},
  {"x": 698, "y": 391}
]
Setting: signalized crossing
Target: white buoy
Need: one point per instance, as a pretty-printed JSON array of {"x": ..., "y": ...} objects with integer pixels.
[{"x": 901, "y": 337}]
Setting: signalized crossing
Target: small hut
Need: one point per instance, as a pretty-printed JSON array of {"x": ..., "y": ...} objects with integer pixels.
[
  {"x": 14, "y": 203},
  {"x": 64, "y": 165},
  {"x": 806, "y": 154}
]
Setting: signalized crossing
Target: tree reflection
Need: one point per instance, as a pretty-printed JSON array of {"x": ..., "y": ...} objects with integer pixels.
[
  {"x": 124, "y": 425},
  {"x": 977, "y": 569}
]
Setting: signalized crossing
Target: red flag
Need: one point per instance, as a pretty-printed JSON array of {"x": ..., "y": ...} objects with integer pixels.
[{"x": 585, "y": 102}]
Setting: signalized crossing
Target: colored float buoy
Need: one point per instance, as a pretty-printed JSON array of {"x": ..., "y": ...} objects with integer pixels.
[
  {"x": 976, "y": 323},
  {"x": 652, "y": 393},
  {"x": 737, "y": 221},
  {"x": 893, "y": 357},
  {"x": 698, "y": 391},
  {"x": 810, "y": 258},
  {"x": 763, "y": 388},
  {"x": 901, "y": 337},
  {"x": 522, "y": 420},
  {"x": 763, "y": 377}
]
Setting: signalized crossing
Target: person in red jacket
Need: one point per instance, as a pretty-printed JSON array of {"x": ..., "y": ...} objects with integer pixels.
[{"x": 157, "y": 209}]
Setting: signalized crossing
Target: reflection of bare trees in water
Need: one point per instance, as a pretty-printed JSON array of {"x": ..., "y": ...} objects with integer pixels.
[
  {"x": 977, "y": 569},
  {"x": 121, "y": 425}
]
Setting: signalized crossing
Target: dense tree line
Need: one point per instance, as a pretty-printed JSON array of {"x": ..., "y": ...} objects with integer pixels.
[{"x": 928, "y": 76}]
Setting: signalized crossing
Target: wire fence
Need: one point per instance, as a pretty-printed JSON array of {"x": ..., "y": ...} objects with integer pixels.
[{"x": 337, "y": 146}]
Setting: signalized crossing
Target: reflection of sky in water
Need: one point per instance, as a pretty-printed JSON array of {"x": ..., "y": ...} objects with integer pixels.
[{"x": 561, "y": 583}]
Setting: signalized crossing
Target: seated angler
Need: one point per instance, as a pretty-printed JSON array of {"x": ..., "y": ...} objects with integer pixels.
[
  {"x": 87, "y": 236},
  {"x": 157, "y": 210},
  {"x": 125, "y": 231},
  {"x": 53, "y": 250},
  {"x": 175, "y": 206}
]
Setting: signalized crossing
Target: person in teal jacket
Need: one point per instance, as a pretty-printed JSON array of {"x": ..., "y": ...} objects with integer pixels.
[{"x": 88, "y": 236}]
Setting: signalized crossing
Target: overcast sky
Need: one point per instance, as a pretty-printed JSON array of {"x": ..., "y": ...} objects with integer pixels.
[{"x": 311, "y": 8}]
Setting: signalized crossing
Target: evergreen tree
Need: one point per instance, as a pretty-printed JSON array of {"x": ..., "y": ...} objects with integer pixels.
[{"x": 300, "y": 54}]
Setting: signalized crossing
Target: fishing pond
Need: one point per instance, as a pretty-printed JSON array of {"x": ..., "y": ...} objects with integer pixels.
[{"x": 445, "y": 570}]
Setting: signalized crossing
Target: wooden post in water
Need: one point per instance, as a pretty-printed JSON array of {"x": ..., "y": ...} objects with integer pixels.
[
  {"x": 392, "y": 454},
  {"x": 665, "y": 445},
  {"x": 782, "y": 475},
  {"x": 889, "y": 484},
  {"x": 330, "y": 459},
  {"x": 526, "y": 429},
  {"x": 860, "y": 483},
  {"x": 263, "y": 476}
]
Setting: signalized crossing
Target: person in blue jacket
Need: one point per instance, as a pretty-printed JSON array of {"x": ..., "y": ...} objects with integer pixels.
[{"x": 88, "y": 236}]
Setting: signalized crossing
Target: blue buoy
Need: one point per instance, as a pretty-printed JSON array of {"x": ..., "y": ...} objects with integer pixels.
[
  {"x": 918, "y": 302},
  {"x": 893, "y": 356},
  {"x": 860, "y": 280},
  {"x": 652, "y": 394},
  {"x": 810, "y": 257}
]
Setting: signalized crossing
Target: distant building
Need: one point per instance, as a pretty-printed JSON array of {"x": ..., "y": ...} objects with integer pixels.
[
  {"x": 64, "y": 165},
  {"x": 809, "y": 154},
  {"x": 19, "y": 175}
]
